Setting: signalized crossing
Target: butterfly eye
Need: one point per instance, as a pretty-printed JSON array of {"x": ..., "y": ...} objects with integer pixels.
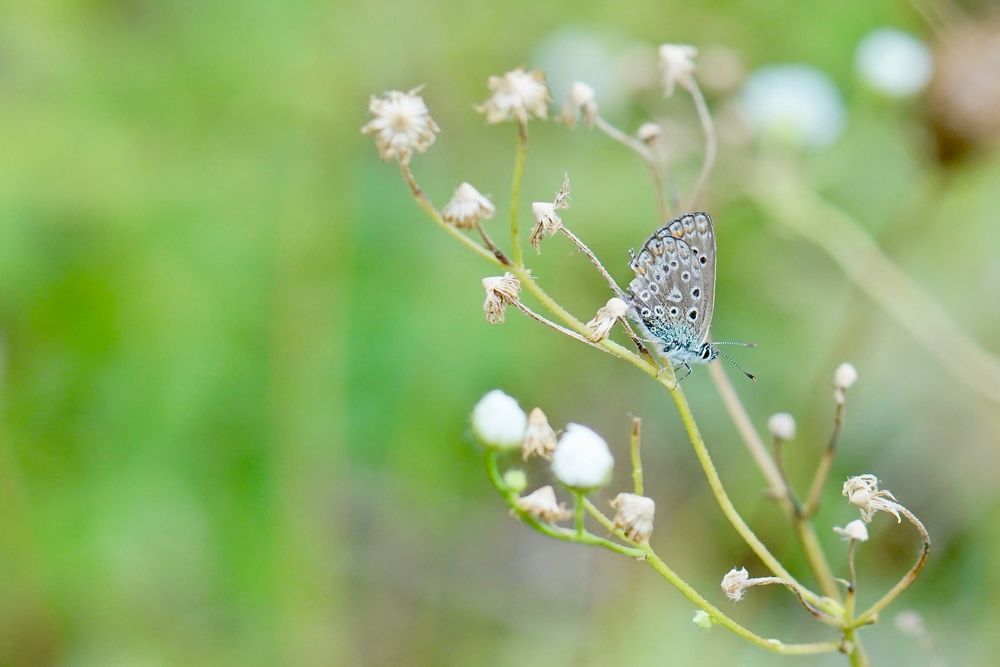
[{"x": 706, "y": 352}]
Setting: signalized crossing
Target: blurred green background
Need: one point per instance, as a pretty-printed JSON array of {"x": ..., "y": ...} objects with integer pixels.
[{"x": 237, "y": 362}]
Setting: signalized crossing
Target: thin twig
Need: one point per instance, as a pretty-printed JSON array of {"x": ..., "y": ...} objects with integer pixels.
[
  {"x": 780, "y": 464},
  {"x": 649, "y": 158},
  {"x": 552, "y": 325},
  {"x": 582, "y": 247},
  {"x": 515, "y": 190},
  {"x": 825, "y": 464},
  {"x": 711, "y": 143},
  {"x": 491, "y": 246},
  {"x": 634, "y": 442},
  {"x": 871, "y": 614}
]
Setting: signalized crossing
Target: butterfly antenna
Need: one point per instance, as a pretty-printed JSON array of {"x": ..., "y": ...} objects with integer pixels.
[
  {"x": 733, "y": 342},
  {"x": 753, "y": 378}
]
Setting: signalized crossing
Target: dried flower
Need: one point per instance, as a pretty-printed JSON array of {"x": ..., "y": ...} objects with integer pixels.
[
  {"x": 500, "y": 291},
  {"x": 843, "y": 378},
  {"x": 402, "y": 125},
  {"x": 516, "y": 96},
  {"x": 467, "y": 207},
  {"x": 702, "y": 619},
  {"x": 581, "y": 100},
  {"x": 539, "y": 439},
  {"x": 781, "y": 426},
  {"x": 542, "y": 504},
  {"x": 634, "y": 515},
  {"x": 854, "y": 530},
  {"x": 605, "y": 318},
  {"x": 863, "y": 492},
  {"x": 677, "y": 66},
  {"x": 582, "y": 459},
  {"x": 499, "y": 421},
  {"x": 735, "y": 583},
  {"x": 893, "y": 62},
  {"x": 649, "y": 133},
  {"x": 547, "y": 221}
]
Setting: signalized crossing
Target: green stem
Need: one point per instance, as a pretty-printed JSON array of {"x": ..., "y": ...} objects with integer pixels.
[
  {"x": 825, "y": 464},
  {"x": 578, "y": 513},
  {"x": 636, "y": 457},
  {"x": 515, "y": 191},
  {"x": 717, "y": 615}
]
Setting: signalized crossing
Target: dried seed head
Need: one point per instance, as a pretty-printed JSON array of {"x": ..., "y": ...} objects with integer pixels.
[
  {"x": 605, "y": 318},
  {"x": 402, "y": 125},
  {"x": 862, "y": 491},
  {"x": 582, "y": 459},
  {"x": 539, "y": 439},
  {"x": 517, "y": 95},
  {"x": 500, "y": 291},
  {"x": 735, "y": 583},
  {"x": 854, "y": 530},
  {"x": 843, "y": 378},
  {"x": 499, "y": 421},
  {"x": 781, "y": 426},
  {"x": 581, "y": 101},
  {"x": 542, "y": 504},
  {"x": 547, "y": 221},
  {"x": 677, "y": 66},
  {"x": 649, "y": 133},
  {"x": 467, "y": 207},
  {"x": 634, "y": 515}
]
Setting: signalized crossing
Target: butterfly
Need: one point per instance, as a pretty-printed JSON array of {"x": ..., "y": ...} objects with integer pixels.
[{"x": 673, "y": 293}]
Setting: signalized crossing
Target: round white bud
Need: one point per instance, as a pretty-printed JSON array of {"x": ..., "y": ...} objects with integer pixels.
[
  {"x": 499, "y": 421},
  {"x": 582, "y": 459},
  {"x": 782, "y": 426}
]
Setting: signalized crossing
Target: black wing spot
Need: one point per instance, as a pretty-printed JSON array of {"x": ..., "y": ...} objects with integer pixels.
[
  {"x": 645, "y": 313},
  {"x": 673, "y": 311},
  {"x": 673, "y": 264},
  {"x": 658, "y": 311},
  {"x": 654, "y": 288},
  {"x": 693, "y": 314},
  {"x": 703, "y": 259},
  {"x": 686, "y": 276},
  {"x": 695, "y": 293}
]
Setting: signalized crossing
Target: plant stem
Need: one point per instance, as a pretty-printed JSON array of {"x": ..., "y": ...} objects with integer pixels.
[
  {"x": 655, "y": 562},
  {"x": 578, "y": 513},
  {"x": 582, "y": 247},
  {"x": 648, "y": 158},
  {"x": 870, "y": 615},
  {"x": 825, "y": 464},
  {"x": 711, "y": 144},
  {"x": 634, "y": 442},
  {"x": 515, "y": 191}
]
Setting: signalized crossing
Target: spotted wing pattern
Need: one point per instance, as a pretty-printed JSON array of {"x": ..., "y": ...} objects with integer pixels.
[{"x": 674, "y": 286}]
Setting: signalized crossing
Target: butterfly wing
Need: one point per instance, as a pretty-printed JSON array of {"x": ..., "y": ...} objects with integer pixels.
[{"x": 674, "y": 280}]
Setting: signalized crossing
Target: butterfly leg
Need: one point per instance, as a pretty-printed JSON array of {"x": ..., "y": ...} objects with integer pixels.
[{"x": 677, "y": 380}]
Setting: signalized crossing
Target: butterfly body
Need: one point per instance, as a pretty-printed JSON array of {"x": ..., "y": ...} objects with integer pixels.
[{"x": 672, "y": 295}]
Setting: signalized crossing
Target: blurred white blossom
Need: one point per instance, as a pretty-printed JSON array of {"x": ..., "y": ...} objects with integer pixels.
[
  {"x": 581, "y": 101},
  {"x": 676, "y": 66},
  {"x": 467, "y": 207},
  {"x": 893, "y": 62},
  {"x": 781, "y": 426},
  {"x": 582, "y": 459},
  {"x": 797, "y": 104},
  {"x": 517, "y": 95},
  {"x": 499, "y": 421},
  {"x": 854, "y": 530}
]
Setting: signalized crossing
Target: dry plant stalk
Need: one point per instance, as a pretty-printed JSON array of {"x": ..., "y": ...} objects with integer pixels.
[{"x": 581, "y": 460}]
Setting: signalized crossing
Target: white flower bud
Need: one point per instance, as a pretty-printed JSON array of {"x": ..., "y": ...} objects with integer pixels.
[
  {"x": 735, "y": 583},
  {"x": 542, "y": 504},
  {"x": 893, "y": 62},
  {"x": 582, "y": 459},
  {"x": 539, "y": 439},
  {"x": 634, "y": 515},
  {"x": 843, "y": 378},
  {"x": 581, "y": 100},
  {"x": 499, "y": 421},
  {"x": 677, "y": 66},
  {"x": 649, "y": 133},
  {"x": 515, "y": 480},
  {"x": 781, "y": 426},
  {"x": 702, "y": 619},
  {"x": 467, "y": 207},
  {"x": 855, "y": 530}
]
